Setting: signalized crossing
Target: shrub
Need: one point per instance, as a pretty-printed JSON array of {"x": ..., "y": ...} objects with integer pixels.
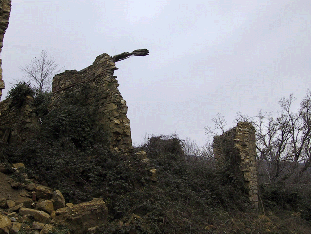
[
  {"x": 165, "y": 146},
  {"x": 41, "y": 102},
  {"x": 19, "y": 92}
]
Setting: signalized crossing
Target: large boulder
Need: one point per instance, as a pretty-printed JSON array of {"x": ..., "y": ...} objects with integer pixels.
[
  {"x": 43, "y": 192},
  {"x": 79, "y": 218},
  {"x": 48, "y": 228},
  {"x": 58, "y": 200},
  {"x": 5, "y": 224},
  {"x": 40, "y": 216},
  {"x": 45, "y": 205},
  {"x": 16, "y": 227}
]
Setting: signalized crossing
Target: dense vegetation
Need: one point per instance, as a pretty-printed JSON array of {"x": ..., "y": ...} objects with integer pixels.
[{"x": 188, "y": 196}]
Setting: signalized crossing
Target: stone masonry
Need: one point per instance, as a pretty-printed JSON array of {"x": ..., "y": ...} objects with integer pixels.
[
  {"x": 104, "y": 97},
  {"x": 235, "y": 150},
  {"x": 5, "y": 9},
  {"x": 17, "y": 124}
]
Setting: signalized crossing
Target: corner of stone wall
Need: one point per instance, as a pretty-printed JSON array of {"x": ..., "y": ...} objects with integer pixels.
[
  {"x": 235, "y": 150},
  {"x": 17, "y": 124},
  {"x": 5, "y": 9},
  {"x": 110, "y": 105}
]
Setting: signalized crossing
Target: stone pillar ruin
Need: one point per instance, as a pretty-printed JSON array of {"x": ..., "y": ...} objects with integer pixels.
[
  {"x": 5, "y": 9},
  {"x": 235, "y": 151},
  {"x": 104, "y": 97}
]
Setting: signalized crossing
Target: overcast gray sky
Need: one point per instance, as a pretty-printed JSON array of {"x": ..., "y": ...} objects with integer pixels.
[{"x": 206, "y": 56}]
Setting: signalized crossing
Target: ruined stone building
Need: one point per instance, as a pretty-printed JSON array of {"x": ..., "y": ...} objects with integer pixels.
[
  {"x": 235, "y": 152},
  {"x": 104, "y": 97},
  {"x": 110, "y": 109}
]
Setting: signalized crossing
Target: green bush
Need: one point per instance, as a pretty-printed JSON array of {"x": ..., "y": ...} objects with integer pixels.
[
  {"x": 73, "y": 122},
  {"x": 70, "y": 151},
  {"x": 277, "y": 196},
  {"x": 165, "y": 146},
  {"x": 19, "y": 92},
  {"x": 42, "y": 101},
  {"x": 184, "y": 199}
]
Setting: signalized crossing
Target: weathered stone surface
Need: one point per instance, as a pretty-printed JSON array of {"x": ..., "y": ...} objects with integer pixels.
[
  {"x": 3, "y": 203},
  {"x": 235, "y": 151},
  {"x": 40, "y": 216},
  {"x": 93, "y": 230},
  {"x": 16, "y": 208},
  {"x": 12, "y": 214},
  {"x": 153, "y": 176},
  {"x": 28, "y": 203},
  {"x": 17, "y": 124},
  {"x": 5, "y": 224},
  {"x": 82, "y": 216},
  {"x": 25, "y": 194},
  {"x": 38, "y": 225},
  {"x": 105, "y": 98},
  {"x": 45, "y": 205},
  {"x": 69, "y": 205},
  {"x": 16, "y": 227},
  {"x": 31, "y": 187},
  {"x": 10, "y": 203},
  {"x": 58, "y": 200},
  {"x": 53, "y": 214},
  {"x": 5, "y": 9},
  {"x": 43, "y": 192},
  {"x": 19, "y": 165},
  {"x": 48, "y": 228}
]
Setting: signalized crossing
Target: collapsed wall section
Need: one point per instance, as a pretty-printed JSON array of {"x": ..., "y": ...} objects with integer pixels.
[
  {"x": 17, "y": 124},
  {"x": 235, "y": 152},
  {"x": 103, "y": 97},
  {"x": 5, "y": 9}
]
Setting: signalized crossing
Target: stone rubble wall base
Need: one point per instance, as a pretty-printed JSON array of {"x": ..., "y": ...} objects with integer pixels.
[{"x": 45, "y": 211}]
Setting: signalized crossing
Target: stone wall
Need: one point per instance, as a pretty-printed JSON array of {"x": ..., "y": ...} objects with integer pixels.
[
  {"x": 99, "y": 89},
  {"x": 5, "y": 9},
  {"x": 104, "y": 97},
  {"x": 17, "y": 124},
  {"x": 235, "y": 151}
]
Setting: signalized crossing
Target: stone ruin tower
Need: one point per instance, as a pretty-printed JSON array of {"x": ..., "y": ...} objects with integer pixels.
[
  {"x": 104, "y": 97},
  {"x": 235, "y": 151},
  {"x": 5, "y": 9}
]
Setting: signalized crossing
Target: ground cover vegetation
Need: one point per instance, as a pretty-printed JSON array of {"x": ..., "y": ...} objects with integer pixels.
[{"x": 188, "y": 196}]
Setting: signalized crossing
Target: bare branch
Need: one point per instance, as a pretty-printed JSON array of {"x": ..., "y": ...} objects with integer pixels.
[{"x": 41, "y": 71}]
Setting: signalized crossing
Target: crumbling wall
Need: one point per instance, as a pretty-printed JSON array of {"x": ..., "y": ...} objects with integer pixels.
[
  {"x": 235, "y": 151},
  {"x": 104, "y": 97},
  {"x": 5, "y": 9},
  {"x": 17, "y": 124},
  {"x": 99, "y": 89}
]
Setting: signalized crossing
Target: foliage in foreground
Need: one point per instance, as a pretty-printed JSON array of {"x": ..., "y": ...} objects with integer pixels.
[
  {"x": 19, "y": 92},
  {"x": 191, "y": 197}
]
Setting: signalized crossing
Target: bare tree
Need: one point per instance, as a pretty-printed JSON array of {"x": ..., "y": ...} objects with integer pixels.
[
  {"x": 219, "y": 127},
  {"x": 272, "y": 138},
  {"x": 41, "y": 71},
  {"x": 283, "y": 141},
  {"x": 190, "y": 147}
]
